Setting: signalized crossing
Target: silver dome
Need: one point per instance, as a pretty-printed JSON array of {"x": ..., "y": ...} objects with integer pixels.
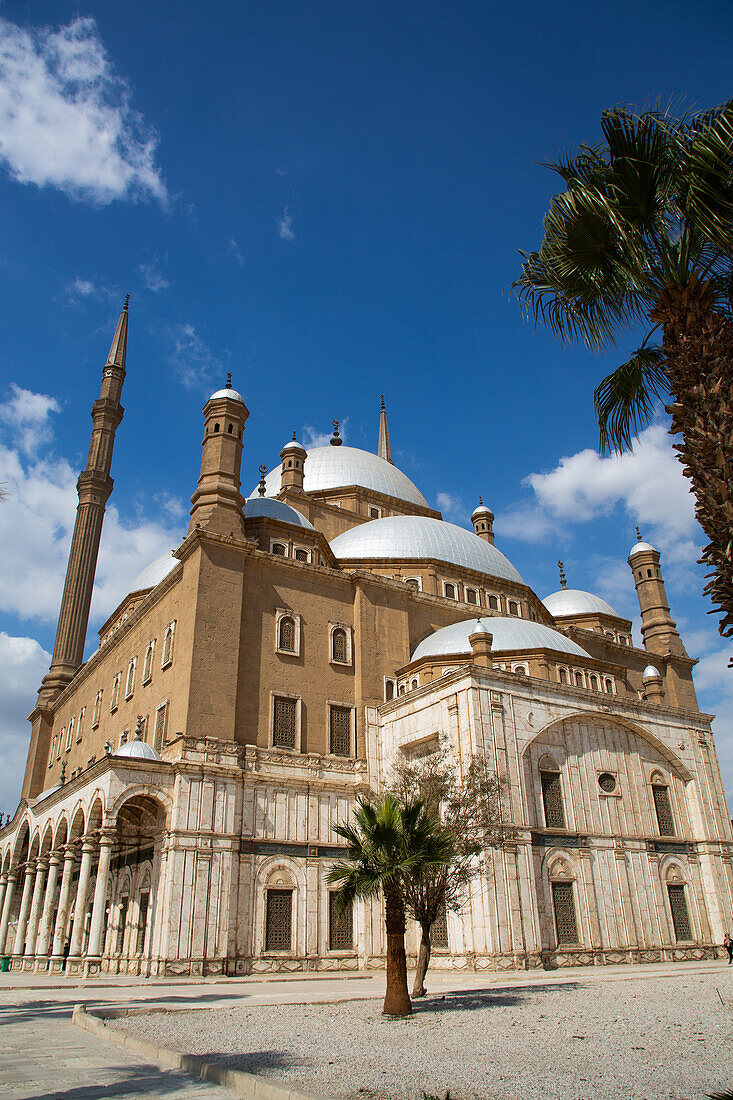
[
  {"x": 275, "y": 509},
  {"x": 573, "y": 601},
  {"x": 510, "y": 636},
  {"x": 639, "y": 546},
  {"x": 155, "y": 572},
  {"x": 233, "y": 395},
  {"x": 336, "y": 467},
  {"x": 416, "y": 538},
  {"x": 651, "y": 673},
  {"x": 137, "y": 750}
]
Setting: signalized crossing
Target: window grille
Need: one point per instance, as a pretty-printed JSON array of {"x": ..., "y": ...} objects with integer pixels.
[
  {"x": 449, "y": 591},
  {"x": 564, "y": 906},
  {"x": 279, "y": 920},
  {"x": 168, "y": 644},
  {"x": 340, "y": 925},
  {"x": 578, "y": 679},
  {"x": 80, "y": 723},
  {"x": 562, "y": 676},
  {"x": 97, "y": 709},
  {"x": 664, "y": 810},
  {"x": 513, "y": 607},
  {"x": 300, "y": 554},
  {"x": 609, "y": 686},
  {"x": 552, "y": 799},
  {"x": 130, "y": 684},
  {"x": 161, "y": 720},
  {"x": 115, "y": 692},
  {"x": 287, "y": 635},
  {"x": 680, "y": 915},
  {"x": 284, "y": 722},
  {"x": 278, "y": 549},
  {"x": 122, "y": 924},
  {"x": 148, "y": 666},
  {"x": 339, "y": 646},
  {"x": 439, "y": 932},
  {"x": 607, "y": 782},
  {"x": 142, "y": 925},
  {"x": 594, "y": 683},
  {"x": 493, "y": 603},
  {"x": 374, "y": 513},
  {"x": 340, "y": 722},
  {"x": 470, "y": 595},
  {"x": 413, "y": 582}
]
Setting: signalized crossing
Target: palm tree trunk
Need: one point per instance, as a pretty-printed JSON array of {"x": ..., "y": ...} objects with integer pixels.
[
  {"x": 396, "y": 1000},
  {"x": 423, "y": 961},
  {"x": 698, "y": 344}
]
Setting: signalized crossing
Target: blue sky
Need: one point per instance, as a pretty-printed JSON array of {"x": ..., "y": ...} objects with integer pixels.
[{"x": 328, "y": 200}]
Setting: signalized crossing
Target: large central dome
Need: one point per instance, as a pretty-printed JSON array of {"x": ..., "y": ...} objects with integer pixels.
[
  {"x": 420, "y": 538},
  {"x": 337, "y": 467}
]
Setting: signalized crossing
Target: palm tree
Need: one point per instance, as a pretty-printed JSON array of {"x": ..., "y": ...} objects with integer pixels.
[
  {"x": 644, "y": 232},
  {"x": 388, "y": 845}
]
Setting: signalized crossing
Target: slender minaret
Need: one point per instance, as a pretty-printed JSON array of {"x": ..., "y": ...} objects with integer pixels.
[
  {"x": 482, "y": 519},
  {"x": 218, "y": 504},
  {"x": 93, "y": 487},
  {"x": 384, "y": 450},
  {"x": 658, "y": 628}
]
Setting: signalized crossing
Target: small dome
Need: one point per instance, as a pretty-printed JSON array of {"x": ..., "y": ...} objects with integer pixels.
[
  {"x": 510, "y": 636},
  {"x": 639, "y": 546},
  {"x": 479, "y": 627},
  {"x": 137, "y": 750},
  {"x": 419, "y": 538},
  {"x": 651, "y": 673},
  {"x": 294, "y": 446},
  {"x": 155, "y": 572},
  {"x": 573, "y": 601},
  {"x": 481, "y": 510},
  {"x": 337, "y": 467},
  {"x": 233, "y": 395},
  {"x": 257, "y": 507}
]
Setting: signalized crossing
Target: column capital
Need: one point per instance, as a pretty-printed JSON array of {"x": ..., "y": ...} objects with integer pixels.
[
  {"x": 107, "y": 836},
  {"x": 55, "y": 857},
  {"x": 88, "y": 843}
]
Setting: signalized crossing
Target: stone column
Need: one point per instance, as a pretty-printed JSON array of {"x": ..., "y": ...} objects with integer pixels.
[
  {"x": 25, "y": 905},
  {"x": 73, "y": 962},
  {"x": 44, "y": 930},
  {"x": 59, "y": 932},
  {"x": 7, "y": 906},
  {"x": 93, "y": 961},
  {"x": 35, "y": 914},
  {"x": 3, "y": 888}
]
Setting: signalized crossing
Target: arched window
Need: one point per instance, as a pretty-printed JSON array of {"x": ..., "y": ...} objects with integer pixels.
[
  {"x": 520, "y": 670},
  {"x": 413, "y": 582},
  {"x": 59, "y": 746},
  {"x": 161, "y": 722},
  {"x": 578, "y": 679},
  {"x": 662, "y": 806},
  {"x": 279, "y": 550},
  {"x": 230, "y": 429},
  {"x": 216, "y": 427},
  {"x": 608, "y": 685},
  {"x": 339, "y": 646},
  {"x": 148, "y": 663},
  {"x": 513, "y": 607},
  {"x": 413, "y": 685},
  {"x": 130, "y": 682},
  {"x": 449, "y": 591},
  {"x": 300, "y": 554},
  {"x": 97, "y": 709},
  {"x": 494, "y": 603},
  {"x": 471, "y": 595},
  {"x": 286, "y": 636},
  {"x": 114, "y": 701},
  {"x": 562, "y": 675},
  {"x": 69, "y": 734},
  {"x": 388, "y": 690},
  {"x": 53, "y": 746},
  {"x": 552, "y": 797},
  {"x": 595, "y": 682},
  {"x": 170, "y": 631}
]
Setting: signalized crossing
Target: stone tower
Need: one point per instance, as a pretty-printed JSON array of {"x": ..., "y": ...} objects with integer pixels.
[
  {"x": 658, "y": 628},
  {"x": 482, "y": 519},
  {"x": 93, "y": 487},
  {"x": 384, "y": 450},
  {"x": 217, "y": 502},
  {"x": 293, "y": 456}
]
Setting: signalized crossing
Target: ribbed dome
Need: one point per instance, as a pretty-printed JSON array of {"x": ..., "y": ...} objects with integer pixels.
[
  {"x": 258, "y": 506},
  {"x": 336, "y": 467},
  {"x": 416, "y": 538},
  {"x": 155, "y": 572},
  {"x": 639, "y": 546},
  {"x": 137, "y": 750},
  {"x": 651, "y": 672},
  {"x": 510, "y": 636},
  {"x": 233, "y": 395},
  {"x": 573, "y": 601}
]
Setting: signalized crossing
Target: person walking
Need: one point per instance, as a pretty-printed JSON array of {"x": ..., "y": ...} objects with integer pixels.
[{"x": 728, "y": 945}]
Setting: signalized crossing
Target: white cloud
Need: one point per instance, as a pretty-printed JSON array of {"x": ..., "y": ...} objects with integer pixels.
[
  {"x": 194, "y": 362},
  {"x": 313, "y": 438},
  {"x": 236, "y": 252},
  {"x": 23, "y": 664},
  {"x": 285, "y": 226},
  {"x": 66, "y": 120},
  {"x": 153, "y": 277},
  {"x": 452, "y": 507},
  {"x": 27, "y": 415}
]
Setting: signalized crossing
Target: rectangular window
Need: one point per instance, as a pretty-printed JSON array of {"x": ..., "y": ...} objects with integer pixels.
[
  {"x": 284, "y": 722},
  {"x": 564, "y": 906},
  {"x": 340, "y": 731},
  {"x": 552, "y": 800},
  {"x": 340, "y": 925},
  {"x": 279, "y": 920},
  {"x": 680, "y": 915},
  {"x": 439, "y": 932},
  {"x": 80, "y": 724},
  {"x": 161, "y": 722},
  {"x": 143, "y": 924},
  {"x": 664, "y": 811}
]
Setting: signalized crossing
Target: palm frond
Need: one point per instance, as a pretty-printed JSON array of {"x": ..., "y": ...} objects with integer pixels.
[
  {"x": 709, "y": 174},
  {"x": 624, "y": 400}
]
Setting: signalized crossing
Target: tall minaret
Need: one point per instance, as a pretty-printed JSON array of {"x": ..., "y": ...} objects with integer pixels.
[
  {"x": 658, "y": 628},
  {"x": 93, "y": 487},
  {"x": 383, "y": 449},
  {"x": 218, "y": 504}
]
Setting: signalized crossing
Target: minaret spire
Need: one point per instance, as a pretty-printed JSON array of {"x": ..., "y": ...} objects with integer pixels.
[
  {"x": 93, "y": 488},
  {"x": 384, "y": 450}
]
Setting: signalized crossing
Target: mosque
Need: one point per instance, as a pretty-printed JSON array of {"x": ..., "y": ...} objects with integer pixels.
[{"x": 182, "y": 783}]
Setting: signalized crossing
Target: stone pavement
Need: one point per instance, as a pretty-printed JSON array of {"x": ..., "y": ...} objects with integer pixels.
[{"x": 44, "y": 1057}]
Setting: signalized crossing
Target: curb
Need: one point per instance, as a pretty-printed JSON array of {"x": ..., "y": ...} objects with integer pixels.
[{"x": 244, "y": 1084}]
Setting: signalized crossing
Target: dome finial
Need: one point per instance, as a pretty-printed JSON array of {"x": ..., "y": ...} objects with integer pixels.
[
  {"x": 382, "y": 397},
  {"x": 563, "y": 580},
  {"x": 336, "y": 440},
  {"x": 127, "y": 302},
  {"x": 481, "y": 500},
  {"x": 229, "y": 380},
  {"x": 262, "y": 488},
  {"x": 294, "y": 433},
  {"x": 638, "y": 534}
]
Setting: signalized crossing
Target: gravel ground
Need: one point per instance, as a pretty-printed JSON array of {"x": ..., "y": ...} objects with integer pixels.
[{"x": 642, "y": 1038}]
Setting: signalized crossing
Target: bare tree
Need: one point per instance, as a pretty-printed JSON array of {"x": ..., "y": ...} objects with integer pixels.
[{"x": 468, "y": 804}]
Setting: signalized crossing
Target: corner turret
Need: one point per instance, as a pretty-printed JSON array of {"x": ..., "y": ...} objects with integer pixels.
[
  {"x": 217, "y": 502},
  {"x": 293, "y": 456},
  {"x": 482, "y": 519},
  {"x": 658, "y": 628}
]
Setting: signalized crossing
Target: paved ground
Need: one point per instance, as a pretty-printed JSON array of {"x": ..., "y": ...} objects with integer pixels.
[{"x": 43, "y": 1056}]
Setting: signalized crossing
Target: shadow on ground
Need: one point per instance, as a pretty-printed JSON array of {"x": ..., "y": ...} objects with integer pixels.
[{"x": 485, "y": 998}]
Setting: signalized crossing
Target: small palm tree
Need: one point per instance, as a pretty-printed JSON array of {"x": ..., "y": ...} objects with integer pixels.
[
  {"x": 644, "y": 232},
  {"x": 388, "y": 845}
]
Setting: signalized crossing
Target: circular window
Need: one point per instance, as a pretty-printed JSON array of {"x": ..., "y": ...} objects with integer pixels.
[{"x": 607, "y": 782}]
